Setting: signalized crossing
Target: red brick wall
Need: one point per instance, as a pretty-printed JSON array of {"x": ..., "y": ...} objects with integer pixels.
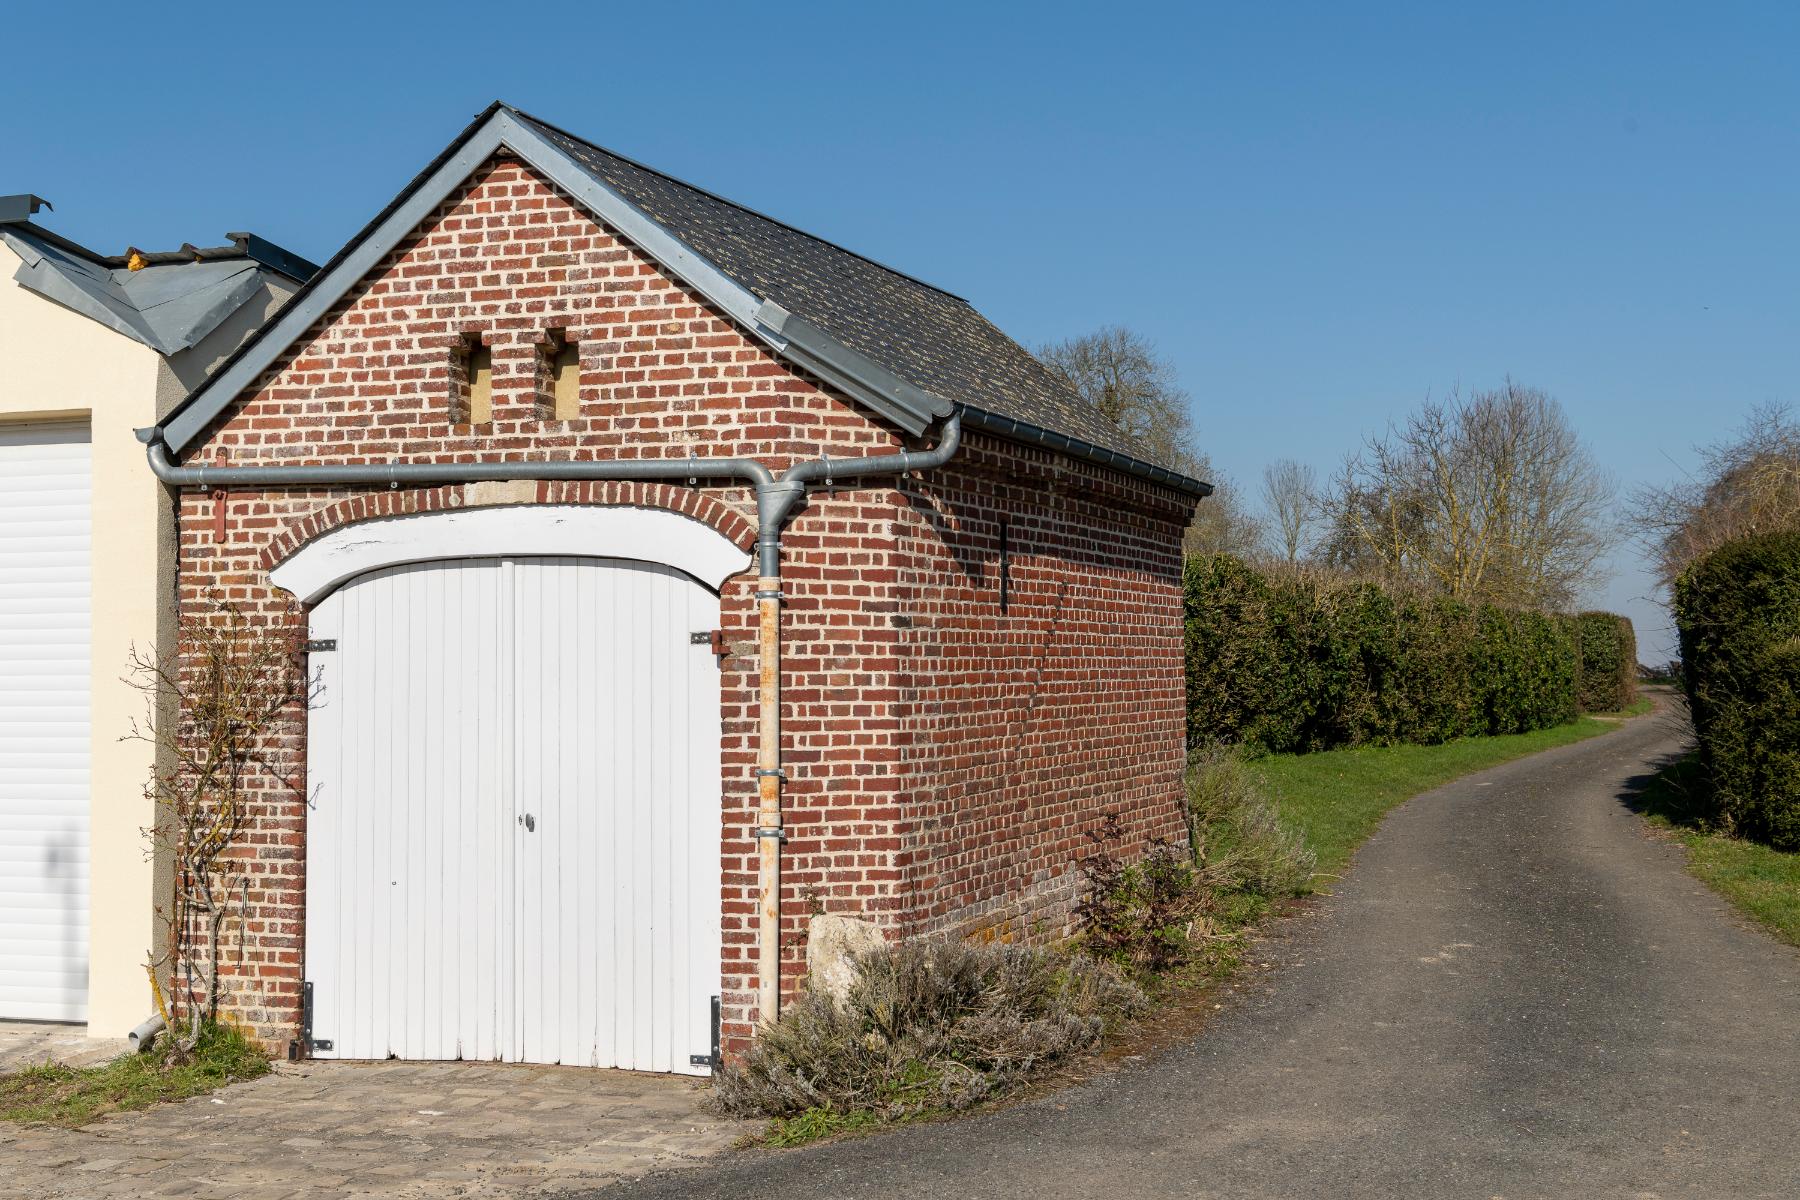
[
  {"x": 1020, "y": 729},
  {"x": 508, "y": 259}
]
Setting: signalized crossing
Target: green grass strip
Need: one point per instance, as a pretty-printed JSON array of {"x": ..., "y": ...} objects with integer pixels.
[
  {"x": 1336, "y": 798},
  {"x": 72, "y": 1096},
  {"x": 1762, "y": 883}
]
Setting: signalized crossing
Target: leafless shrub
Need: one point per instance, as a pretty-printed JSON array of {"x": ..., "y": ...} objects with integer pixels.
[
  {"x": 1139, "y": 916},
  {"x": 211, "y": 709},
  {"x": 927, "y": 1024}
]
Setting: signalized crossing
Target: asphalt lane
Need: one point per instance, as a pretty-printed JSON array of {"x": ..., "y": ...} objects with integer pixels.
[{"x": 1515, "y": 992}]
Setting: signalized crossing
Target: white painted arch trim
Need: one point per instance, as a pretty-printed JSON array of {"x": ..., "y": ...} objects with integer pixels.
[{"x": 534, "y": 530}]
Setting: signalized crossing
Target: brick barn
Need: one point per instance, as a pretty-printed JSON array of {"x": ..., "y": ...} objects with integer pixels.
[{"x": 670, "y": 577}]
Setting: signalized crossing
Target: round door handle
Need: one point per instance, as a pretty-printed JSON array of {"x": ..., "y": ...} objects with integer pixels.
[{"x": 529, "y": 822}]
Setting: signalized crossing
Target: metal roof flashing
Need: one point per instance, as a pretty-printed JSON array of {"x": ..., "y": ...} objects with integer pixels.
[
  {"x": 14, "y": 209},
  {"x": 168, "y": 300},
  {"x": 169, "y": 307}
]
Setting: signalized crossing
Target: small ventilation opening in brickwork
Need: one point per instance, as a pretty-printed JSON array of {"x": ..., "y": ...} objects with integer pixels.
[
  {"x": 562, "y": 376},
  {"x": 472, "y": 383}
]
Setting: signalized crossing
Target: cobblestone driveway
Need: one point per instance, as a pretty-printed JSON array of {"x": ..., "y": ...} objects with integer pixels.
[
  {"x": 28, "y": 1043},
  {"x": 319, "y": 1130}
]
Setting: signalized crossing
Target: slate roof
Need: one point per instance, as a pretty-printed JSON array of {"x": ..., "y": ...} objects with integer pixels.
[{"x": 932, "y": 339}]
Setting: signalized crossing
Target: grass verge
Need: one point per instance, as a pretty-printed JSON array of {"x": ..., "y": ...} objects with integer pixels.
[
  {"x": 1639, "y": 707},
  {"x": 1762, "y": 883},
  {"x": 1336, "y": 798},
  {"x": 815, "y": 1124},
  {"x": 70, "y": 1096}
]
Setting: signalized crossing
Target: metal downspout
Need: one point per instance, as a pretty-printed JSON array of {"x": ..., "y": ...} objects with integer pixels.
[{"x": 776, "y": 502}]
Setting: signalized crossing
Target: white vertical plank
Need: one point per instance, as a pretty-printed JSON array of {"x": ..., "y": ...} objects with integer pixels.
[
  {"x": 359, "y": 919},
  {"x": 611, "y": 703},
  {"x": 639, "y": 796},
  {"x": 532, "y": 676},
  {"x": 590, "y": 821},
  {"x": 485, "y": 797},
  {"x": 356, "y": 915},
  {"x": 323, "y": 927},
  {"x": 506, "y": 731},
  {"x": 563, "y": 732},
  {"x": 700, "y": 839},
  {"x": 417, "y": 825},
  {"x": 359, "y": 786},
  {"x": 671, "y": 649}
]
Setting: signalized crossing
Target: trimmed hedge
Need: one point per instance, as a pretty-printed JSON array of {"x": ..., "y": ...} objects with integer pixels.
[
  {"x": 1738, "y": 612},
  {"x": 1294, "y": 661},
  {"x": 1606, "y": 649}
]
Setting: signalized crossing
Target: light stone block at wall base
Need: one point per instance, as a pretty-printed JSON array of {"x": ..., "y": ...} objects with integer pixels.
[{"x": 832, "y": 944}]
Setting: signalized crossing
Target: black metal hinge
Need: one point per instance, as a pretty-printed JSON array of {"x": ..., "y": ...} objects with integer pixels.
[
  {"x": 712, "y": 1060},
  {"x": 321, "y": 645},
  {"x": 308, "y": 1042},
  {"x": 715, "y": 638}
]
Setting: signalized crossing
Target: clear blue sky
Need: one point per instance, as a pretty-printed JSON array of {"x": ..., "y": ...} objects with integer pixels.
[{"x": 1321, "y": 216}]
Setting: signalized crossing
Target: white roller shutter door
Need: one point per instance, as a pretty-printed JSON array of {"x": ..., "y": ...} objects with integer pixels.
[{"x": 44, "y": 721}]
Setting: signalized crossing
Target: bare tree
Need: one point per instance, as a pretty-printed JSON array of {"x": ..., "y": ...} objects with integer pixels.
[
  {"x": 1121, "y": 375},
  {"x": 1222, "y": 523},
  {"x": 1290, "y": 497},
  {"x": 1747, "y": 484},
  {"x": 1494, "y": 498},
  {"x": 211, "y": 707},
  {"x": 1134, "y": 388}
]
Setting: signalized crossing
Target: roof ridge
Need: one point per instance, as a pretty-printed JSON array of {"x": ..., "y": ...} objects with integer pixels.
[
  {"x": 67, "y": 245},
  {"x": 188, "y": 253},
  {"x": 744, "y": 208}
]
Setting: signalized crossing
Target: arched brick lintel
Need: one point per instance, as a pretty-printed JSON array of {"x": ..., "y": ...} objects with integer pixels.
[{"x": 707, "y": 509}]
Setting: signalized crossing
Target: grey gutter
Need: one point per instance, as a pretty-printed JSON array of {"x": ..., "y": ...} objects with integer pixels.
[
  {"x": 830, "y": 470},
  {"x": 777, "y": 499},
  {"x": 402, "y": 474},
  {"x": 1062, "y": 443}
]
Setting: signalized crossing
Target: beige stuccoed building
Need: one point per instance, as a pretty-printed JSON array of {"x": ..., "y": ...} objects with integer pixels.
[{"x": 92, "y": 347}]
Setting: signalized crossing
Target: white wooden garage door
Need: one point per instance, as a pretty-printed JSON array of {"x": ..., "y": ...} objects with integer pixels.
[
  {"x": 513, "y": 845},
  {"x": 44, "y": 651}
]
